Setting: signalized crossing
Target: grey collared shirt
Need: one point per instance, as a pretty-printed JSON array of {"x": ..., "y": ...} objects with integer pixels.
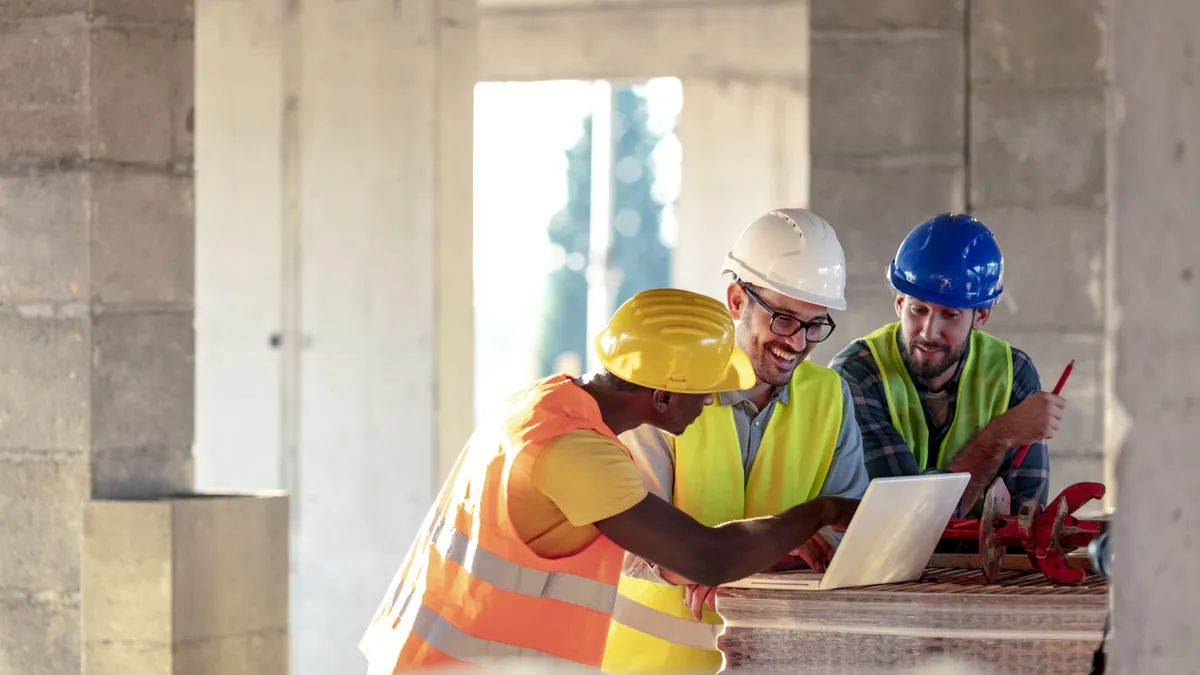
[{"x": 654, "y": 451}]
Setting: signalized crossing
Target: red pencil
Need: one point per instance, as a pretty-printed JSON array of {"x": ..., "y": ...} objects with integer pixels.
[{"x": 1062, "y": 379}]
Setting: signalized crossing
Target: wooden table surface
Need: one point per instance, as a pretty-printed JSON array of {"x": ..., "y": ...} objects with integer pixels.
[{"x": 1021, "y": 624}]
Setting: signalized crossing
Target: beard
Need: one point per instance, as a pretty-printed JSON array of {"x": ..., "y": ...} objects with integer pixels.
[
  {"x": 928, "y": 370},
  {"x": 768, "y": 367}
]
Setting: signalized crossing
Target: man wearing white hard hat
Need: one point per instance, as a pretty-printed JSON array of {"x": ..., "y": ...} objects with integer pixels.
[{"x": 790, "y": 438}]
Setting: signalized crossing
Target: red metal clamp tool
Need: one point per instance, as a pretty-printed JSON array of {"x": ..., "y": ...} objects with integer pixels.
[{"x": 1046, "y": 535}]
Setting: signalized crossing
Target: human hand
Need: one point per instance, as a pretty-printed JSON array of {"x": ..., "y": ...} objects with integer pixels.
[
  {"x": 816, "y": 552},
  {"x": 696, "y": 597},
  {"x": 1035, "y": 419},
  {"x": 838, "y": 512}
]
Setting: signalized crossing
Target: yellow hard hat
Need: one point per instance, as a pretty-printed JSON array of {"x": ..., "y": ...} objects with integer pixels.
[{"x": 674, "y": 340}]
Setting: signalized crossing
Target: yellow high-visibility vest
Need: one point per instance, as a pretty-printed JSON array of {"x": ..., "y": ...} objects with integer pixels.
[
  {"x": 651, "y": 629},
  {"x": 984, "y": 390}
]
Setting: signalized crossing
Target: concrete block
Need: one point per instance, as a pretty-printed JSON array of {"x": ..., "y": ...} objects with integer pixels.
[
  {"x": 43, "y": 111},
  {"x": 42, "y": 526},
  {"x": 141, "y": 473},
  {"x": 1031, "y": 42},
  {"x": 44, "y": 383},
  {"x": 143, "y": 238},
  {"x": 128, "y": 572},
  {"x": 879, "y": 97},
  {"x": 42, "y": 66},
  {"x": 868, "y": 15},
  {"x": 252, "y": 654},
  {"x": 1054, "y": 266},
  {"x": 165, "y": 11},
  {"x": 1082, "y": 426},
  {"x": 44, "y": 237},
  {"x": 40, "y": 636},
  {"x": 132, "y": 85},
  {"x": 1032, "y": 147},
  {"x": 183, "y": 102},
  {"x": 232, "y": 554},
  {"x": 873, "y": 208},
  {"x": 129, "y": 658},
  {"x": 189, "y": 584},
  {"x": 143, "y": 380},
  {"x": 32, "y": 9}
]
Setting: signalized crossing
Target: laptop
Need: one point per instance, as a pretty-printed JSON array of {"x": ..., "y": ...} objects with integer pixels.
[{"x": 890, "y": 539}]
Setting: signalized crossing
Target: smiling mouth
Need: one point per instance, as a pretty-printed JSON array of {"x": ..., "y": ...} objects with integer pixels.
[{"x": 784, "y": 358}]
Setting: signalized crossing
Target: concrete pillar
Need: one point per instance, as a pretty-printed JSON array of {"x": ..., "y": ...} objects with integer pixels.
[
  {"x": 334, "y": 211},
  {"x": 888, "y": 131},
  {"x": 1155, "y": 120},
  {"x": 96, "y": 342},
  {"x": 383, "y": 206},
  {"x": 1037, "y": 86}
]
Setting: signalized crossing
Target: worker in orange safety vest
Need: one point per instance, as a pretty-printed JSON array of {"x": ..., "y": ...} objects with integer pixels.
[{"x": 520, "y": 555}]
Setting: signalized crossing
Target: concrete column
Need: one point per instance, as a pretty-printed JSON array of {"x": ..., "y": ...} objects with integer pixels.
[
  {"x": 1037, "y": 178},
  {"x": 335, "y": 211},
  {"x": 1155, "y": 120},
  {"x": 96, "y": 251},
  {"x": 383, "y": 206},
  {"x": 888, "y": 132}
]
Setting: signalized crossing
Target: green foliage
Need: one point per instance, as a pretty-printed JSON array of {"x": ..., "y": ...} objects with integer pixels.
[{"x": 637, "y": 251}]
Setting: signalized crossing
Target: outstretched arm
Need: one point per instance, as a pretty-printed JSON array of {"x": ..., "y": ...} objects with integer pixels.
[{"x": 711, "y": 556}]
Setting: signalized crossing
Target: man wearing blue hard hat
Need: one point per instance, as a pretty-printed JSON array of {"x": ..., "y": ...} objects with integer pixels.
[{"x": 933, "y": 391}]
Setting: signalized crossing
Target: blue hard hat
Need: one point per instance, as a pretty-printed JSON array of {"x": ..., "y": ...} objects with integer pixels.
[{"x": 951, "y": 259}]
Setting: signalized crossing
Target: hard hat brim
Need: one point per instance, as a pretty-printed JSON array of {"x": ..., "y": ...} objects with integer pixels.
[
  {"x": 908, "y": 288},
  {"x": 739, "y": 375}
]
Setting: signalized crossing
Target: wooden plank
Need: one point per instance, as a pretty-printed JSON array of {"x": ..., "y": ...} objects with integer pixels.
[{"x": 1021, "y": 624}]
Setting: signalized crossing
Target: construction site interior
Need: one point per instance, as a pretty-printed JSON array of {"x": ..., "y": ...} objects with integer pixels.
[{"x": 266, "y": 264}]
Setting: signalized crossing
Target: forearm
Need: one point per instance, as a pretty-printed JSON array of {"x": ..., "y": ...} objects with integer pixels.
[
  {"x": 740, "y": 548},
  {"x": 673, "y": 540},
  {"x": 981, "y": 458}
]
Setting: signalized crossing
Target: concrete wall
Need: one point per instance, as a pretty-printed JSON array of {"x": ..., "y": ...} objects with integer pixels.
[
  {"x": 1155, "y": 170},
  {"x": 991, "y": 106},
  {"x": 334, "y": 182}
]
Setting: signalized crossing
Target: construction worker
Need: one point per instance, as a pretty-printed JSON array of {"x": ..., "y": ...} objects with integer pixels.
[
  {"x": 933, "y": 391},
  {"x": 784, "y": 439},
  {"x": 520, "y": 555}
]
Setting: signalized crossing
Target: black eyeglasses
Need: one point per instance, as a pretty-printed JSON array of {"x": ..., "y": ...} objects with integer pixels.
[{"x": 786, "y": 325}]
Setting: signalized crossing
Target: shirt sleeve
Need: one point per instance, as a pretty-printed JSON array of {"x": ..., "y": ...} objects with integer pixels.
[
  {"x": 588, "y": 476},
  {"x": 1031, "y": 480},
  {"x": 847, "y": 475}
]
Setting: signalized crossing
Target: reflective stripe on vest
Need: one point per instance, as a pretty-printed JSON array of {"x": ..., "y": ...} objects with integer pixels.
[
  {"x": 460, "y": 646},
  {"x": 470, "y": 591},
  {"x": 790, "y": 468},
  {"x": 492, "y": 569},
  {"x": 984, "y": 391},
  {"x": 688, "y": 632}
]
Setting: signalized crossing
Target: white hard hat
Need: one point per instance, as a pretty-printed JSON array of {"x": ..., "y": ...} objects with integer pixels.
[{"x": 793, "y": 252}]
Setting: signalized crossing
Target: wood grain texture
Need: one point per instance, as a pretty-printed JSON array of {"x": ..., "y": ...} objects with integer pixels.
[{"x": 1021, "y": 624}]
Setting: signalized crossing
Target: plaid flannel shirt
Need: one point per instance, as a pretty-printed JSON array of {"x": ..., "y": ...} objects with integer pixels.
[{"x": 884, "y": 449}]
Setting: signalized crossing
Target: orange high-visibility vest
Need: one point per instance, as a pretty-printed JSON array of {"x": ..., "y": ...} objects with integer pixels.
[{"x": 470, "y": 591}]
